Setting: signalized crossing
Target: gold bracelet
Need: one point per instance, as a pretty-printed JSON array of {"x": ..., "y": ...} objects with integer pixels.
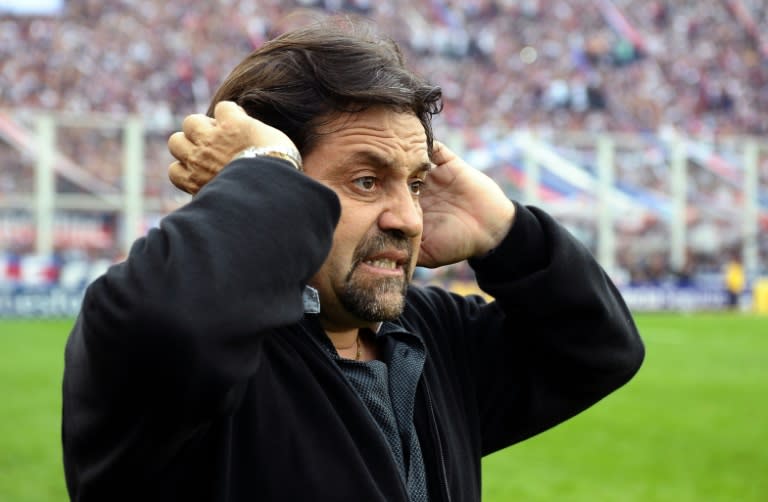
[{"x": 289, "y": 153}]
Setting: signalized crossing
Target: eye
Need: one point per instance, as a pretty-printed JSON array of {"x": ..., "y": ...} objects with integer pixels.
[
  {"x": 416, "y": 186},
  {"x": 367, "y": 183}
]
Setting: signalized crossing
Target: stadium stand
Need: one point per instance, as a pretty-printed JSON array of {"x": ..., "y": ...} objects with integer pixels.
[{"x": 696, "y": 67}]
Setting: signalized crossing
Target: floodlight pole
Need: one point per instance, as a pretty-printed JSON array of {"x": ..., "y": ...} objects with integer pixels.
[
  {"x": 133, "y": 182},
  {"x": 679, "y": 180},
  {"x": 750, "y": 228},
  {"x": 45, "y": 185},
  {"x": 605, "y": 235}
]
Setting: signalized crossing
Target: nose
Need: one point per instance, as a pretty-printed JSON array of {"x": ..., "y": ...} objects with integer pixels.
[{"x": 402, "y": 212}]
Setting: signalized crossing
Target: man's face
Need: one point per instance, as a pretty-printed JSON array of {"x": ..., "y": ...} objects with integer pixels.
[{"x": 376, "y": 162}]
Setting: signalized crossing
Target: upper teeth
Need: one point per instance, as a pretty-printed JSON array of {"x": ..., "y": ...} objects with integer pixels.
[{"x": 390, "y": 264}]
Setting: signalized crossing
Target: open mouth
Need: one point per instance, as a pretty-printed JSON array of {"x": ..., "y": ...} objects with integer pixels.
[
  {"x": 382, "y": 263},
  {"x": 388, "y": 263}
]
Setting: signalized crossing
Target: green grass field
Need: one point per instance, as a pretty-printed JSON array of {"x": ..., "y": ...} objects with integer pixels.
[{"x": 692, "y": 426}]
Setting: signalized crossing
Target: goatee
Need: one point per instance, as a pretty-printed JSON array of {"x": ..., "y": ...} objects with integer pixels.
[{"x": 382, "y": 299}]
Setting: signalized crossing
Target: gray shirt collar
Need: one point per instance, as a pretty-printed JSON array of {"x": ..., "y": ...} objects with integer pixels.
[{"x": 311, "y": 300}]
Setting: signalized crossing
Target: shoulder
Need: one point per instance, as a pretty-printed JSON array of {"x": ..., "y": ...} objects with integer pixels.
[
  {"x": 427, "y": 300},
  {"x": 432, "y": 297},
  {"x": 434, "y": 308}
]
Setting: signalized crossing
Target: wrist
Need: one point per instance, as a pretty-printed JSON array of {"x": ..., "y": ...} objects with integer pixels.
[
  {"x": 287, "y": 153},
  {"x": 497, "y": 230}
]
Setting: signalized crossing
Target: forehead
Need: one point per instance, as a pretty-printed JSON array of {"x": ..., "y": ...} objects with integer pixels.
[{"x": 385, "y": 131}]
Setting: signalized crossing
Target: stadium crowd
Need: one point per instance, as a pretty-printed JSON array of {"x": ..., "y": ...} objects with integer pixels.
[
  {"x": 697, "y": 66},
  {"x": 568, "y": 64}
]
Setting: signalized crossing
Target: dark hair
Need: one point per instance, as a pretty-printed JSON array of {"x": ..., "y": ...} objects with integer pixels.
[{"x": 304, "y": 78}]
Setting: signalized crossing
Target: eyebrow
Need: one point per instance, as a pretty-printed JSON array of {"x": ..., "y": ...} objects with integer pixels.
[{"x": 378, "y": 162}]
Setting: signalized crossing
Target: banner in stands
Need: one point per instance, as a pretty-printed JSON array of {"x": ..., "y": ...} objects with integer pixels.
[
  {"x": 705, "y": 296},
  {"x": 52, "y": 302},
  {"x": 79, "y": 230},
  {"x": 32, "y": 7},
  {"x": 675, "y": 298},
  {"x": 46, "y": 293},
  {"x": 45, "y": 286}
]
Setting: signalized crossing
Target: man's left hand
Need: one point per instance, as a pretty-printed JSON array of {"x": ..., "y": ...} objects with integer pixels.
[{"x": 466, "y": 214}]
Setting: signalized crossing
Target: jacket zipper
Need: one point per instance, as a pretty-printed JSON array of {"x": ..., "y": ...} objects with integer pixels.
[{"x": 438, "y": 444}]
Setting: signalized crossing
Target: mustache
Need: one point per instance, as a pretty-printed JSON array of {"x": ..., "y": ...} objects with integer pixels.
[{"x": 381, "y": 241}]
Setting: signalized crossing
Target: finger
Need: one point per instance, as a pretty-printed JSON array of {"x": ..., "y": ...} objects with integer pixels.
[
  {"x": 179, "y": 146},
  {"x": 197, "y": 126},
  {"x": 177, "y": 174},
  {"x": 228, "y": 111},
  {"x": 180, "y": 177}
]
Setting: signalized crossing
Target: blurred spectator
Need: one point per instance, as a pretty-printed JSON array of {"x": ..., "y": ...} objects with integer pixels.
[
  {"x": 735, "y": 281},
  {"x": 696, "y": 60}
]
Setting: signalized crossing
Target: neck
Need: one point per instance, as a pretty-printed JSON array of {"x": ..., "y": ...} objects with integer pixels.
[
  {"x": 343, "y": 332},
  {"x": 343, "y": 340},
  {"x": 351, "y": 344}
]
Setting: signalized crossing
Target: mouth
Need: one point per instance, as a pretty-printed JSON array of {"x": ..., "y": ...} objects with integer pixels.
[
  {"x": 392, "y": 264},
  {"x": 380, "y": 263}
]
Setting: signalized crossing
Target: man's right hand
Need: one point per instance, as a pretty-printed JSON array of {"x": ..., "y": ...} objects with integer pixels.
[{"x": 205, "y": 145}]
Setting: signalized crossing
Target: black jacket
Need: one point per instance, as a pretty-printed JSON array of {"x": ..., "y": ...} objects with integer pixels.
[{"x": 191, "y": 374}]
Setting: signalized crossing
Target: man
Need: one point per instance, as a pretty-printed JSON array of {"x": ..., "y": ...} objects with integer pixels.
[
  {"x": 735, "y": 280},
  {"x": 265, "y": 343}
]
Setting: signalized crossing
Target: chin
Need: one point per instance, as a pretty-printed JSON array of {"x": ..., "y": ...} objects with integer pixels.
[{"x": 374, "y": 304}]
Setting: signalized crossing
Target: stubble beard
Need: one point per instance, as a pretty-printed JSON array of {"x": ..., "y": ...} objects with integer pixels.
[{"x": 381, "y": 299}]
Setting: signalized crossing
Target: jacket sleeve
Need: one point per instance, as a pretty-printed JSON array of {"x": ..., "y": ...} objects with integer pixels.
[
  {"x": 557, "y": 338},
  {"x": 181, "y": 318}
]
